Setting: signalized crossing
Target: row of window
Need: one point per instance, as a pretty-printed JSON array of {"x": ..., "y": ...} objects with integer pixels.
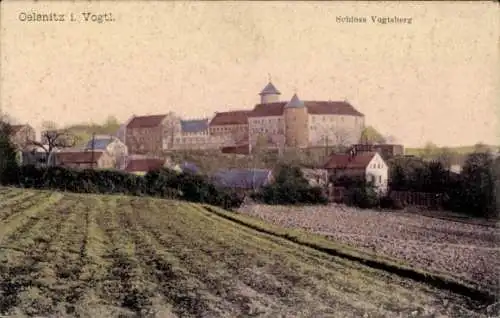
[
  {"x": 227, "y": 128},
  {"x": 376, "y": 166},
  {"x": 266, "y": 130}
]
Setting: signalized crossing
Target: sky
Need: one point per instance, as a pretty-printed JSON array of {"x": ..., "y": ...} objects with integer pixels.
[{"x": 435, "y": 79}]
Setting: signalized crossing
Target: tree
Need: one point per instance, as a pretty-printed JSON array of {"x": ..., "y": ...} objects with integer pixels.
[
  {"x": 445, "y": 156},
  {"x": 479, "y": 184},
  {"x": 8, "y": 154},
  {"x": 53, "y": 138},
  {"x": 370, "y": 136},
  {"x": 111, "y": 125},
  {"x": 342, "y": 141},
  {"x": 429, "y": 150}
]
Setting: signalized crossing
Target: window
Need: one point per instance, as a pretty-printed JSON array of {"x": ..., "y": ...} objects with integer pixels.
[{"x": 379, "y": 179}]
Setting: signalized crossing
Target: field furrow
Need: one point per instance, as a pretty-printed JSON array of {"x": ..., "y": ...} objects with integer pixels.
[
  {"x": 28, "y": 277},
  {"x": 85, "y": 255}
]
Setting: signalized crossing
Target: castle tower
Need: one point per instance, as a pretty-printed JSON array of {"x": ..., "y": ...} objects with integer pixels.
[
  {"x": 296, "y": 123},
  {"x": 269, "y": 94}
]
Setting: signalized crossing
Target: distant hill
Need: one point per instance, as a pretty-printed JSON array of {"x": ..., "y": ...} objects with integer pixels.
[{"x": 459, "y": 150}]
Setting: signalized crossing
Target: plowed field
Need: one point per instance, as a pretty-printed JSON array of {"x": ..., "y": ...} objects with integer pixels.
[{"x": 73, "y": 255}]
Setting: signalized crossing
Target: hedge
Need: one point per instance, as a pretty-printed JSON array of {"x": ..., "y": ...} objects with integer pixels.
[{"x": 162, "y": 183}]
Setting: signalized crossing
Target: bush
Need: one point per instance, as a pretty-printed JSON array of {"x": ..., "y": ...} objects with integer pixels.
[
  {"x": 290, "y": 187},
  {"x": 362, "y": 197},
  {"x": 387, "y": 202}
]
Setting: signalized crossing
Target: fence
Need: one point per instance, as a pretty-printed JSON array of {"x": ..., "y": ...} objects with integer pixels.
[{"x": 418, "y": 199}]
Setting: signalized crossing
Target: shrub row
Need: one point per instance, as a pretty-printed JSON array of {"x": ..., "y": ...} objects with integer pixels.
[{"x": 162, "y": 183}]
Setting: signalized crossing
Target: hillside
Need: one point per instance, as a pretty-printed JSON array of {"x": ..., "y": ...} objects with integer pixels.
[{"x": 65, "y": 254}]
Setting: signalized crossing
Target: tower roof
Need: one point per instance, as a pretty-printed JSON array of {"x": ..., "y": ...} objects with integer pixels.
[
  {"x": 295, "y": 102},
  {"x": 269, "y": 90}
]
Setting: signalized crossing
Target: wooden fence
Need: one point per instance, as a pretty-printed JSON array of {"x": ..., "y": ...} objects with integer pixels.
[
  {"x": 418, "y": 199},
  {"x": 408, "y": 198}
]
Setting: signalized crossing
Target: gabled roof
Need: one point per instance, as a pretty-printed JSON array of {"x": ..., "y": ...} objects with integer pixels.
[
  {"x": 242, "y": 178},
  {"x": 77, "y": 156},
  {"x": 144, "y": 164},
  {"x": 194, "y": 126},
  {"x": 313, "y": 107},
  {"x": 146, "y": 121},
  {"x": 270, "y": 89},
  {"x": 346, "y": 161},
  {"x": 295, "y": 102},
  {"x": 236, "y": 117}
]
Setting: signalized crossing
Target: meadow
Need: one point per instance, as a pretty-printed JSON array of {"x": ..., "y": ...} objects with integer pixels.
[{"x": 82, "y": 255}]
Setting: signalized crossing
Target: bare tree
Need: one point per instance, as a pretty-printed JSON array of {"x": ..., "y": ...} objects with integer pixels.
[
  {"x": 342, "y": 141},
  {"x": 53, "y": 138},
  {"x": 170, "y": 128}
]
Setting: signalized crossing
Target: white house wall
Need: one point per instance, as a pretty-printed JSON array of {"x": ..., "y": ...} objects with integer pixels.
[{"x": 378, "y": 169}]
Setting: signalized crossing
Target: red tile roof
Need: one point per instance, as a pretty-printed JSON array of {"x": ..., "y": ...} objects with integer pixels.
[
  {"x": 78, "y": 156},
  {"x": 241, "y": 149},
  {"x": 144, "y": 164},
  {"x": 345, "y": 161},
  {"x": 236, "y": 117},
  {"x": 313, "y": 107},
  {"x": 269, "y": 109},
  {"x": 146, "y": 121},
  {"x": 331, "y": 107}
]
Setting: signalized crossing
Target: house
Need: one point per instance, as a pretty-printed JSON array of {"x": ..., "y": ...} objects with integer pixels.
[
  {"x": 367, "y": 165},
  {"x": 387, "y": 151},
  {"x": 83, "y": 159},
  {"x": 146, "y": 134},
  {"x": 112, "y": 145},
  {"x": 316, "y": 177},
  {"x": 243, "y": 180},
  {"x": 35, "y": 156},
  {"x": 21, "y": 135},
  {"x": 141, "y": 166}
]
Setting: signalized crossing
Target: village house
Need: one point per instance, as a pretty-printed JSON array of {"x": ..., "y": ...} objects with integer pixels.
[
  {"x": 83, "y": 159},
  {"x": 147, "y": 134},
  {"x": 110, "y": 144},
  {"x": 22, "y": 135},
  {"x": 243, "y": 181},
  {"x": 142, "y": 165},
  {"x": 368, "y": 165}
]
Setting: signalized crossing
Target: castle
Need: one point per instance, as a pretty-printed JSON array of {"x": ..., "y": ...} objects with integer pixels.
[
  {"x": 272, "y": 123},
  {"x": 294, "y": 123}
]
